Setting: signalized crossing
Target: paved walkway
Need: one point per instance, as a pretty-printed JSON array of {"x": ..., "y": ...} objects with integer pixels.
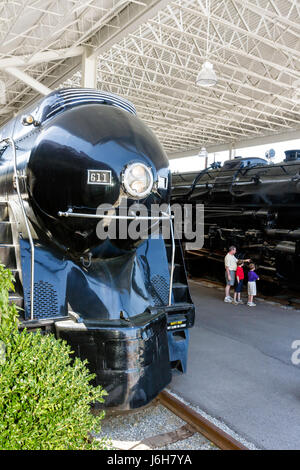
[{"x": 240, "y": 369}]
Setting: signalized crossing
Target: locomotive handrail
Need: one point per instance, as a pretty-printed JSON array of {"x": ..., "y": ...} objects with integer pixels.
[
  {"x": 172, "y": 258},
  {"x": 11, "y": 142},
  {"x": 165, "y": 216},
  {"x": 104, "y": 216}
]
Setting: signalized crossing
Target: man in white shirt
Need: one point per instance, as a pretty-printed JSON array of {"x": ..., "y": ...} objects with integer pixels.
[{"x": 230, "y": 269}]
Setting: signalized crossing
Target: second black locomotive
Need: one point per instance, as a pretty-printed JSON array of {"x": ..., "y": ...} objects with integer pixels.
[{"x": 254, "y": 205}]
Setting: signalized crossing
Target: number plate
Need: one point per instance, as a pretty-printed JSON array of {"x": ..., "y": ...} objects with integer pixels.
[{"x": 99, "y": 177}]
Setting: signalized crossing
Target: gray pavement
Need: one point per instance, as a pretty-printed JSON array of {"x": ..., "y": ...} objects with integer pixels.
[{"x": 240, "y": 369}]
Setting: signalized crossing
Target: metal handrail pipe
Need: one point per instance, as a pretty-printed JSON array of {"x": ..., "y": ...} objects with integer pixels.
[
  {"x": 11, "y": 142},
  {"x": 102, "y": 216}
]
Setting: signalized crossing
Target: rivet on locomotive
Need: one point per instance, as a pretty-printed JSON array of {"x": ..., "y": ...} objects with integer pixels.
[
  {"x": 122, "y": 304},
  {"x": 251, "y": 203}
]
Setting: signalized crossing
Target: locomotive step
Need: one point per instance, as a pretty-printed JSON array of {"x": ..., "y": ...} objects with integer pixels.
[
  {"x": 17, "y": 284},
  {"x": 169, "y": 252},
  {"x": 3, "y": 211},
  {"x": 8, "y": 255},
  {"x": 180, "y": 292},
  {"x": 5, "y": 232},
  {"x": 169, "y": 244},
  {"x": 176, "y": 265},
  {"x": 179, "y": 306},
  {"x": 179, "y": 285},
  {"x": 179, "y": 274},
  {"x": 16, "y": 299}
]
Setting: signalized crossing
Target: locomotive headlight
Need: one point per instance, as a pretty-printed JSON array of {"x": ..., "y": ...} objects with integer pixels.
[{"x": 138, "y": 180}]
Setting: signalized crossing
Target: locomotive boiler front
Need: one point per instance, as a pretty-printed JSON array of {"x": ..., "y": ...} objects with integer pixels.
[
  {"x": 91, "y": 155},
  {"x": 110, "y": 299}
]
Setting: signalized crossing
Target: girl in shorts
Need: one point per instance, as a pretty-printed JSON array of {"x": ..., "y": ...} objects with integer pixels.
[{"x": 239, "y": 282}]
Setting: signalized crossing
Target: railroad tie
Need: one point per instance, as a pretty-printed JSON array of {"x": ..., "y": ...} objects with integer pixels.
[{"x": 160, "y": 440}]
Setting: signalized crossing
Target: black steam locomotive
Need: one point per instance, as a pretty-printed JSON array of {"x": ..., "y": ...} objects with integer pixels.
[
  {"x": 252, "y": 204},
  {"x": 121, "y": 303}
]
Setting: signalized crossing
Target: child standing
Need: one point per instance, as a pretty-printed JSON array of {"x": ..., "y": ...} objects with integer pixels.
[
  {"x": 240, "y": 281},
  {"x": 252, "y": 278}
]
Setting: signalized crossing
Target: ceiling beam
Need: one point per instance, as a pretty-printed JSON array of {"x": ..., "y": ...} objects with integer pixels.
[
  {"x": 215, "y": 59},
  {"x": 206, "y": 94},
  {"x": 217, "y": 88},
  {"x": 235, "y": 28},
  {"x": 40, "y": 57},
  {"x": 231, "y": 48},
  {"x": 24, "y": 77},
  {"x": 128, "y": 21},
  {"x": 264, "y": 12},
  {"x": 167, "y": 105}
]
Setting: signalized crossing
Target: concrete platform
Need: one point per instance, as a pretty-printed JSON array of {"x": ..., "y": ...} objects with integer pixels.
[{"x": 240, "y": 369}]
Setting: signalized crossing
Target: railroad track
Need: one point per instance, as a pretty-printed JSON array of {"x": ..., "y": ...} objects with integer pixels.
[
  {"x": 202, "y": 425},
  {"x": 189, "y": 425}
]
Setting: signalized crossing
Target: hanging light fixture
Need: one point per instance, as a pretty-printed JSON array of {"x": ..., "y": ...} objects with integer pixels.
[
  {"x": 203, "y": 153},
  {"x": 207, "y": 76}
]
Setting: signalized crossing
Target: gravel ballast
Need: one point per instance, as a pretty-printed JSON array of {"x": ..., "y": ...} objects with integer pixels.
[{"x": 149, "y": 422}]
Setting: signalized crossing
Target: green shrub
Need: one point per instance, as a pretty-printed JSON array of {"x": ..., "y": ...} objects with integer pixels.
[{"x": 45, "y": 396}]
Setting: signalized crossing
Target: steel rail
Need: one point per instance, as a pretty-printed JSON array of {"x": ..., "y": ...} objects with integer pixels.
[{"x": 216, "y": 435}]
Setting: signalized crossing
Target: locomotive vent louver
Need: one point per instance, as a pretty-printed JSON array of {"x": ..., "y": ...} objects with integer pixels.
[
  {"x": 67, "y": 98},
  {"x": 45, "y": 300},
  {"x": 159, "y": 288}
]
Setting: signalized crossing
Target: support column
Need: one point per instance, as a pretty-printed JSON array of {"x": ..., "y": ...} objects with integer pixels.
[
  {"x": 206, "y": 161},
  {"x": 232, "y": 150},
  {"x": 89, "y": 69}
]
